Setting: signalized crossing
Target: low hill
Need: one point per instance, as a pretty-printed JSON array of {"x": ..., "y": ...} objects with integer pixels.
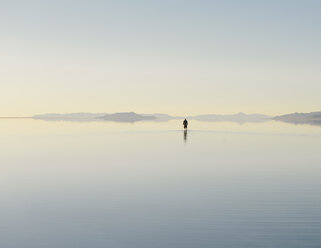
[
  {"x": 126, "y": 117},
  {"x": 313, "y": 118},
  {"x": 117, "y": 117}
]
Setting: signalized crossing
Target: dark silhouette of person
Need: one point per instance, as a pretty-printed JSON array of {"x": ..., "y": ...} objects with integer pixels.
[
  {"x": 185, "y": 135},
  {"x": 185, "y": 123}
]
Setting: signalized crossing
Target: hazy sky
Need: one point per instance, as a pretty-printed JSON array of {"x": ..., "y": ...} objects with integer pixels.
[{"x": 177, "y": 57}]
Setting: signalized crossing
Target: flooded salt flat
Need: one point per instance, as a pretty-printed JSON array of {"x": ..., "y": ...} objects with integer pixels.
[{"x": 104, "y": 184}]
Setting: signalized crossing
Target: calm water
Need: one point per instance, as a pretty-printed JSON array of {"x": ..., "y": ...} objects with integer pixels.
[{"x": 65, "y": 184}]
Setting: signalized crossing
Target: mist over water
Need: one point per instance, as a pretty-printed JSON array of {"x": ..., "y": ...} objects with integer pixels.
[{"x": 147, "y": 184}]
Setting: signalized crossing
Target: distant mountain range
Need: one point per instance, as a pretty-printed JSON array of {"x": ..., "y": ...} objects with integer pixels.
[
  {"x": 134, "y": 117},
  {"x": 313, "y": 118}
]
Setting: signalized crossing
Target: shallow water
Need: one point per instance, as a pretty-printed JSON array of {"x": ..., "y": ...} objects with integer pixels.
[{"x": 104, "y": 184}]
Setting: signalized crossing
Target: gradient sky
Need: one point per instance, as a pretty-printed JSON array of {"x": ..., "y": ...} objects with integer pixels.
[{"x": 176, "y": 57}]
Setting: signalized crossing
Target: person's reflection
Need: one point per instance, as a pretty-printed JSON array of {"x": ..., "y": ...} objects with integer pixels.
[{"x": 185, "y": 135}]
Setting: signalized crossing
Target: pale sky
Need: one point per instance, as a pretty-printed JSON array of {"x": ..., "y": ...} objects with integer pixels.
[{"x": 169, "y": 56}]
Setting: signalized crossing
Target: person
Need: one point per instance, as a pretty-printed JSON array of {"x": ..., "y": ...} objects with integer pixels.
[{"x": 185, "y": 123}]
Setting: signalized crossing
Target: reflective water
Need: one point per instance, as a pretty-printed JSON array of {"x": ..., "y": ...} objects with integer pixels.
[{"x": 68, "y": 184}]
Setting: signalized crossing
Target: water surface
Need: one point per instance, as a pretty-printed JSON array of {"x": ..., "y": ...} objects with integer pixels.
[{"x": 104, "y": 184}]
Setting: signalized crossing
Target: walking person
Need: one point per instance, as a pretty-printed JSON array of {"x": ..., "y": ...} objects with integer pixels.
[{"x": 185, "y": 123}]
